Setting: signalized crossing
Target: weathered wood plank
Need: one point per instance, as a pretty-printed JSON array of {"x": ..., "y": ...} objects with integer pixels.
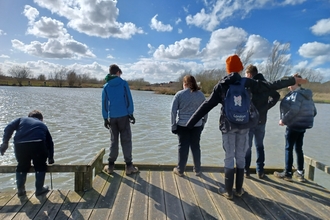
[
  {"x": 5, "y": 197},
  {"x": 202, "y": 194},
  {"x": 70, "y": 202},
  {"x": 124, "y": 197},
  {"x": 287, "y": 191},
  {"x": 223, "y": 206},
  {"x": 52, "y": 205},
  {"x": 139, "y": 205},
  {"x": 156, "y": 205},
  {"x": 238, "y": 206},
  {"x": 85, "y": 207},
  {"x": 108, "y": 196},
  {"x": 172, "y": 199},
  {"x": 188, "y": 200},
  {"x": 15, "y": 205},
  {"x": 255, "y": 188}
]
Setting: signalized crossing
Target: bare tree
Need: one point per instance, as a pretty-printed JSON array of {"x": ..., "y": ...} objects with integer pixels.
[
  {"x": 244, "y": 54},
  {"x": 20, "y": 73},
  {"x": 310, "y": 74},
  {"x": 278, "y": 62},
  {"x": 71, "y": 78},
  {"x": 59, "y": 76},
  {"x": 41, "y": 77}
]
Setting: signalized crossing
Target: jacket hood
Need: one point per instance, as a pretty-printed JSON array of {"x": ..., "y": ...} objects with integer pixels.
[
  {"x": 259, "y": 76},
  {"x": 114, "y": 81},
  {"x": 306, "y": 93}
]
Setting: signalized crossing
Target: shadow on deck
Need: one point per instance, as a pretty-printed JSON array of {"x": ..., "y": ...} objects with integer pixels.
[{"x": 159, "y": 194}]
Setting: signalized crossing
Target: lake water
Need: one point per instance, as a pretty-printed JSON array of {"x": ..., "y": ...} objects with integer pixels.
[{"x": 74, "y": 119}]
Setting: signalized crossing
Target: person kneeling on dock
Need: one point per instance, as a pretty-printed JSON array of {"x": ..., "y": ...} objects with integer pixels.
[{"x": 32, "y": 141}]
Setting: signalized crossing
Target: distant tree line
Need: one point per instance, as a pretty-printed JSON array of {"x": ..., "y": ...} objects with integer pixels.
[{"x": 58, "y": 77}]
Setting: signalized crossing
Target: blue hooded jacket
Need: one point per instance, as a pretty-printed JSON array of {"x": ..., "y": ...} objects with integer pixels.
[{"x": 116, "y": 98}]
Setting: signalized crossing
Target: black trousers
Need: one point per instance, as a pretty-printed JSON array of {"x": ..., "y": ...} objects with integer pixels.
[{"x": 31, "y": 151}]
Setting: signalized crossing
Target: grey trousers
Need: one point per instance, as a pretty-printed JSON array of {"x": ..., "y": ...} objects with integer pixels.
[
  {"x": 120, "y": 127},
  {"x": 235, "y": 144}
]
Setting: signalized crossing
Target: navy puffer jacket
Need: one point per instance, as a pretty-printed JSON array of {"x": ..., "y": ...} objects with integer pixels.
[{"x": 298, "y": 109}]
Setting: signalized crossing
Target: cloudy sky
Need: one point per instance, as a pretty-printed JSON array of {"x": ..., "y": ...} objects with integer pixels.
[{"x": 159, "y": 40}]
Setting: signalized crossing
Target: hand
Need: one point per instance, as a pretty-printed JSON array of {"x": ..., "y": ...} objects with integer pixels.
[
  {"x": 175, "y": 131},
  {"x": 51, "y": 160},
  {"x": 106, "y": 124},
  {"x": 300, "y": 80},
  {"x": 3, "y": 148},
  {"x": 131, "y": 119},
  {"x": 281, "y": 123}
]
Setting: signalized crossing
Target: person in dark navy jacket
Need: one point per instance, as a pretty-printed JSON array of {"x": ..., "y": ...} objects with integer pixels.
[
  {"x": 32, "y": 142},
  {"x": 297, "y": 113}
]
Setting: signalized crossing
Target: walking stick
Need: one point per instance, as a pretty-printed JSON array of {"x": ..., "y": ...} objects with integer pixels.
[{"x": 51, "y": 180}]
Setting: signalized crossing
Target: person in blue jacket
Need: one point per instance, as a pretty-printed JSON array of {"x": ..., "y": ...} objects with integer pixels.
[
  {"x": 117, "y": 112},
  {"x": 32, "y": 142},
  {"x": 297, "y": 113}
]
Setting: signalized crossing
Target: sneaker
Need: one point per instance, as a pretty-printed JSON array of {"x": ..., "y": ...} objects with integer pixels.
[
  {"x": 198, "y": 173},
  {"x": 239, "y": 194},
  {"x": 283, "y": 175},
  {"x": 261, "y": 175},
  {"x": 109, "y": 168},
  {"x": 131, "y": 169},
  {"x": 247, "y": 173},
  {"x": 223, "y": 192},
  {"x": 176, "y": 171},
  {"x": 300, "y": 177}
]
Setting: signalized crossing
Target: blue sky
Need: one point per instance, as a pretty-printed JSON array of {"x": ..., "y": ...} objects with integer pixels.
[{"x": 159, "y": 40}]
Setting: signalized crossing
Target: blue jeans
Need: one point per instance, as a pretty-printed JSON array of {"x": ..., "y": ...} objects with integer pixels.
[
  {"x": 189, "y": 138},
  {"x": 258, "y": 133},
  {"x": 294, "y": 139}
]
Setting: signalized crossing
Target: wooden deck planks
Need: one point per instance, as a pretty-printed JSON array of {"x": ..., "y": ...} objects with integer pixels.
[{"x": 162, "y": 195}]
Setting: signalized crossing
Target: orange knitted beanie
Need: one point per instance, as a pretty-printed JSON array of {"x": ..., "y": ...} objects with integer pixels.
[{"x": 234, "y": 64}]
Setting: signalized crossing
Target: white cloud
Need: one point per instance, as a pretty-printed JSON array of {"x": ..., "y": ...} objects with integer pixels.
[
  {"x": 59, "y": 44},
  {"x": 94, "y": 18},
  {"x": 2, "y": 32},
  {"x": 220, "y": 44},
  {"x": 185, "y": 48},
  {"x": 322, "y": 27},
  {"x": 259, "y": 45},
  {"x": 159, "y": 26},
  {"x": 318, "y": 52},
  {"x": 4, "y": 56},
  {"x": 215, "y": 12},
  {"x": 54, "y": 49}
]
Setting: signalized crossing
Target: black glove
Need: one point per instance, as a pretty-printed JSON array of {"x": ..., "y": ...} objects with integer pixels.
[
  {"x": 3, "y": 148},
  {"x": 175, "y": 131},
  {"x": 131, "y": 119},
  {"x": 106, "y": 124},
  {"x": 51, "y": 160}
]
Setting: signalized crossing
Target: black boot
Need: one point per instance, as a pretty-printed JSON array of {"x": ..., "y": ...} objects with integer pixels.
[
  {"x": 20, "y": 181},
  {"x": 40, "y": 179},
  {"x": 239, "y": 182},
  {"x": 229, "y": 182}
]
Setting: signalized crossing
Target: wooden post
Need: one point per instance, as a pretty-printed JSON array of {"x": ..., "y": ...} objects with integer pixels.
[{"x": 310, "y": 172}]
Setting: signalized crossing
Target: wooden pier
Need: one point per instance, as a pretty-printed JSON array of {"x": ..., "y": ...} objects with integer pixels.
[{"x": 157, "y": 193}]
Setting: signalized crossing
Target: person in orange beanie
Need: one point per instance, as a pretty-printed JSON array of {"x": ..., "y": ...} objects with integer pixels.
[{"x": 234, "y": 136}]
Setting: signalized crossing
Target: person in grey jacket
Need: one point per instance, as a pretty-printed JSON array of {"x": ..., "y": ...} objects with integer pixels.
[
  {"x": 117, "y": 112},
  {"x": 297, "y": 110},
  {"x": 32, "y": 142},
  {"x": 185, "y": 103}
]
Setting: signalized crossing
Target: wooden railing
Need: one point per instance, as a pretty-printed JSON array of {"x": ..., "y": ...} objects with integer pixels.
[
  {"x": 311, "y": 165},
  {"x": 83, "y": 178}
]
